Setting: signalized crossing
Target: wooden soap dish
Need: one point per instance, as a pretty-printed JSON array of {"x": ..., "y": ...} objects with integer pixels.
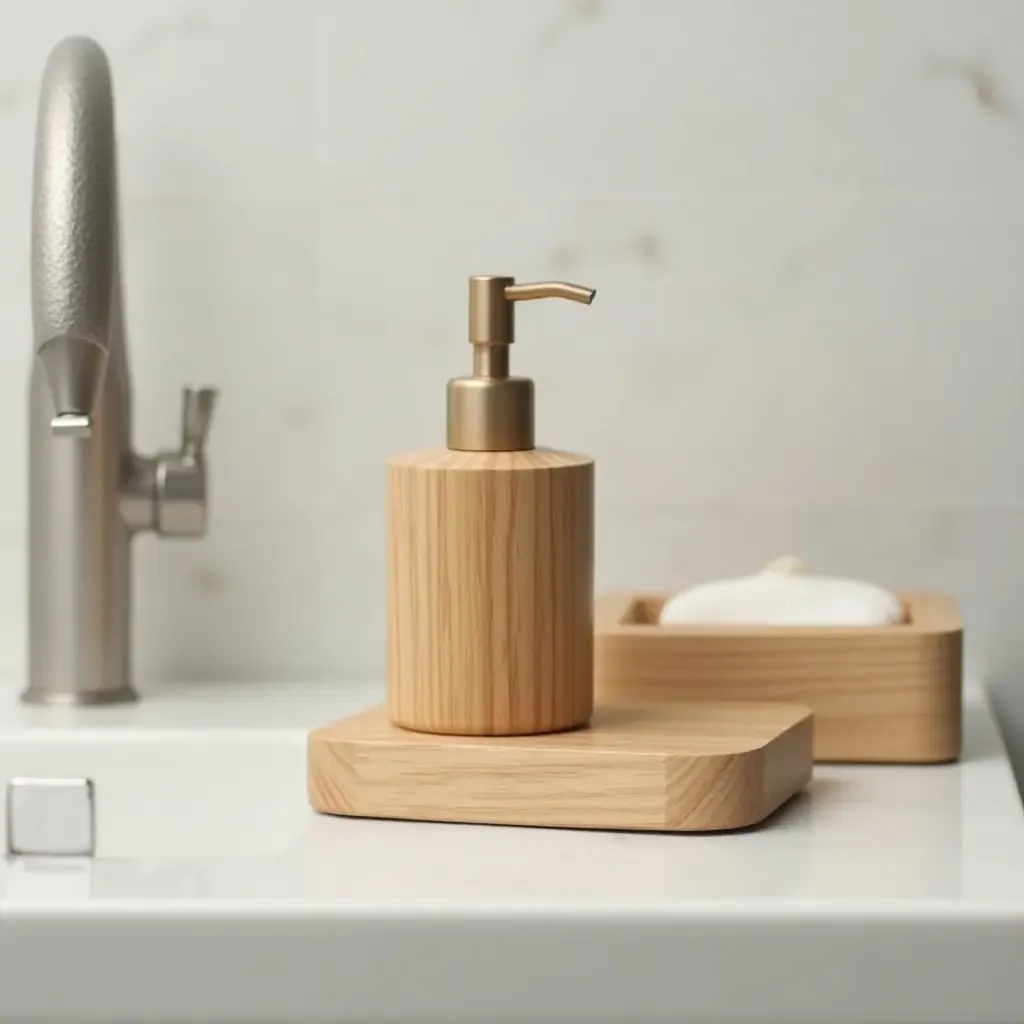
[
  {"x": 887, "y": 693},
  {"x": 693, "y": 767}
]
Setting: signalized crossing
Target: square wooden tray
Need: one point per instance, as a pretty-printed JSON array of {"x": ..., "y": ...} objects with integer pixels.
[
  {"x": 890, "y": 693},
  {"x": 691, "y": 767}
]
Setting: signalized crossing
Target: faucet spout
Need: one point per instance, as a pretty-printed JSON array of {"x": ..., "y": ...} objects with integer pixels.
[{"x": 74, "y": 232}]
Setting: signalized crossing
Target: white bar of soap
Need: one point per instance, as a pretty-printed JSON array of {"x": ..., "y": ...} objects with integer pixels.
[{"x": 782, "y": 595}]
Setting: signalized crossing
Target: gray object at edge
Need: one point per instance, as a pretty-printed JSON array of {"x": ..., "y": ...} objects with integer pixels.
[
  {"x": 51, "y": 818},
  {"x": 89, "y": 493}
]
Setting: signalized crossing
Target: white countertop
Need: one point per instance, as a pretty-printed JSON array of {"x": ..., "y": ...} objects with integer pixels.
[{"x": 885, "y": 893}]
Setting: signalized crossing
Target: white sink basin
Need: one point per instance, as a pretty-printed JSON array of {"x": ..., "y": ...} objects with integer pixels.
[{"x": 208, "y": 857}]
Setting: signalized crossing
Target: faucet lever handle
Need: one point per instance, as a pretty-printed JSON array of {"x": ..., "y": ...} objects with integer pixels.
[
  {"x": 197, "y": 406},
  {"x": 179, "y": 477}
]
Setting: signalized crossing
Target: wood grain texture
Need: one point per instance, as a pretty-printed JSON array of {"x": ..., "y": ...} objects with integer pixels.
[
  {"x": 490, "y": 591},
  {"x": 691, "y": 767},
  {"x": 879, "y": 694}
]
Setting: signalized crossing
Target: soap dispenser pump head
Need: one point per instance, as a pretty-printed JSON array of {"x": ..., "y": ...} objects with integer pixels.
[{"x": 491, "y": 411}]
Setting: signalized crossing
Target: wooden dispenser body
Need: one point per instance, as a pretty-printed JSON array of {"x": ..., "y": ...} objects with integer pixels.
[{"x": 490, "y": 592}]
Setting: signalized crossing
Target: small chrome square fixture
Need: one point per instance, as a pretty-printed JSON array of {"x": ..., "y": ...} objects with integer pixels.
[{"x": 50, "y": 818}]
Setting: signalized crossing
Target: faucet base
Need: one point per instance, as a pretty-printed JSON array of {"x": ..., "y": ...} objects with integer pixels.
[{"x": 87, "y": 698}]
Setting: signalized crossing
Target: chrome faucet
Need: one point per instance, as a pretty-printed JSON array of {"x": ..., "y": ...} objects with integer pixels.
[{"x": 89, "y": 492}]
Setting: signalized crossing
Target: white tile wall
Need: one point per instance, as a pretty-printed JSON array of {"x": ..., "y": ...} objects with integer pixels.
[{"x": 805, "y": 219}]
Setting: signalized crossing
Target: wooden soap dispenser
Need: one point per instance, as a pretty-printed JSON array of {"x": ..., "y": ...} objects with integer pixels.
[
  {"x": 489, "y": 714},
  {"x": 490, "y": 553}
]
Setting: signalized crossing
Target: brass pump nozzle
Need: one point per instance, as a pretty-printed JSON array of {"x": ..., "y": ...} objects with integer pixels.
[{"x": 491, "y": 411}]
